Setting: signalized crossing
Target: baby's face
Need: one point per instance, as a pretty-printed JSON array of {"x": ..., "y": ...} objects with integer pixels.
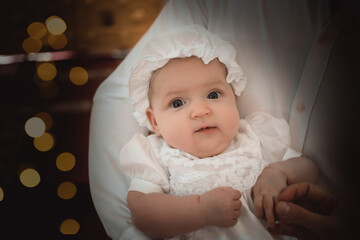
[{"x": 192, "y": 106}]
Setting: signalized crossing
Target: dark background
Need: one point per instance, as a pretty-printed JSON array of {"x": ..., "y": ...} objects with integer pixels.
[{"x": 99, "y": 34}]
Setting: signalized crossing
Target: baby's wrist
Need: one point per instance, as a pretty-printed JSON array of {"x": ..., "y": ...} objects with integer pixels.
[
  {"x": 203, "y": 211},
  {"x": 276, "y": 169}
]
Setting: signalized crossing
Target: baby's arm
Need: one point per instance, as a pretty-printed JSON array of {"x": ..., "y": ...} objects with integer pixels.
[
  {"x": 275, "y": 178},
  {"x": 160, "y": 215}
]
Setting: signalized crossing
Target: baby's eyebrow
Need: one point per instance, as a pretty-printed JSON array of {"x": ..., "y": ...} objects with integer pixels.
[
  {"x": 174, "y": 92},
  {"x": 213, "y": 83},
  {"x": 218, "y": 82}
]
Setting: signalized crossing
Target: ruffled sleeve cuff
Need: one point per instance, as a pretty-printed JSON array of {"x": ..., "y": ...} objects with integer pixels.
[
  {"x": 144, "y": 186},
  {"x": 139, "y": 163}
]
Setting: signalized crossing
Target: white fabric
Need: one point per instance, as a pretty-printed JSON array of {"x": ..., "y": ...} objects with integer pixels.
[
  {"x": 277, "y": 43},
  {"x": 150, "y": 159},
  {"x": 185, "y": 41}
]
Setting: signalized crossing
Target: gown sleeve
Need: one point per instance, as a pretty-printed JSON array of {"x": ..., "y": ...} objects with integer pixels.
[
  {"x": 139, "y": 163},
  {"x": 273, "y": 133}
]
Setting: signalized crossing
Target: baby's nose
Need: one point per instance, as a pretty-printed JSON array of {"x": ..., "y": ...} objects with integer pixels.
[{"x": 200, "y": 110}]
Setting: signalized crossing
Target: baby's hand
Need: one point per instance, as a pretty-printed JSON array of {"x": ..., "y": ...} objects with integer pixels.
[
  {"x": 221, "y": 206},
  {"x": 265, "y": 193}
]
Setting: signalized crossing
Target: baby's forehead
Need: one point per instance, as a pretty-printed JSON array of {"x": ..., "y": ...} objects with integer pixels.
[{"x": 198, "y": 75}]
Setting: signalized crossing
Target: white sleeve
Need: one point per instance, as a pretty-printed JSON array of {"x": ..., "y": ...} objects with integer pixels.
[
  {"x": 139, "y": 163},
  {"x": 273, "y": 134}
]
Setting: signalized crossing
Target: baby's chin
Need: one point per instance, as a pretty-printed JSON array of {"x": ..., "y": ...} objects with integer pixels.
[{"x": 204, "y": 153}]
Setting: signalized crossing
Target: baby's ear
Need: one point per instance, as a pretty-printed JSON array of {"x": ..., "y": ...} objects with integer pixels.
[{"x": 151, "y": 118}]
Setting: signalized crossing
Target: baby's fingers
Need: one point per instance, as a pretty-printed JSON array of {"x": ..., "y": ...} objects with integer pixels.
[
  {"x": 237, "y": 205},
  {"x": 258, "y": 205},
  {"x": 237, "y": 213},
  {"x": 264, "y": 208},
  {"x": 268, "y": 202},
  {"x": 236, "y": 194}
]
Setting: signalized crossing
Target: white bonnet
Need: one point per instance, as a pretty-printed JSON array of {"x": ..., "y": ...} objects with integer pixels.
[{"x": 186, "y": 41}]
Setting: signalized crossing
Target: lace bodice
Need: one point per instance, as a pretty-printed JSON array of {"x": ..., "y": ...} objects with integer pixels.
[{"x": 237, "y": 167}]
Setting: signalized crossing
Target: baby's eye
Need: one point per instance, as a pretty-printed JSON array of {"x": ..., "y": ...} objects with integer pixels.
[
  {"x": 213, "y": 95},
  {"x": 177, "y": 103}
]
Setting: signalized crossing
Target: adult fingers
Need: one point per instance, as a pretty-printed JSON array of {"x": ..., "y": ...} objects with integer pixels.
[
  {"x": 297, "y": 215},
  {"x": 268, "y": 203},
  {"x": 306, "y": 190}
]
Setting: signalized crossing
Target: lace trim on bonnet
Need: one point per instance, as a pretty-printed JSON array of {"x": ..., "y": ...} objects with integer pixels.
[{"x": 187, "y": 41}]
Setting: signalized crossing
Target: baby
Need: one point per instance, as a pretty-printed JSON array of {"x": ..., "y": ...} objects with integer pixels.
[{"x": 195, "y": 177}]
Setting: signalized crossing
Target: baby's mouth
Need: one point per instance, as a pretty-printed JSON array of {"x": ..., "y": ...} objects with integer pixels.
[{"x": 206, "y": 129}]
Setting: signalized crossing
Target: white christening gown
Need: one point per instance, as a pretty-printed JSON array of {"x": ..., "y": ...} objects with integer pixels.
[{"x": 153, "y": 166}]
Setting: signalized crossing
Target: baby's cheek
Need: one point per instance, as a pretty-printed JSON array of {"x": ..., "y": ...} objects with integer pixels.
[
  {"x": 232, "y": 122},
  {"x": 176, "y": 138}
]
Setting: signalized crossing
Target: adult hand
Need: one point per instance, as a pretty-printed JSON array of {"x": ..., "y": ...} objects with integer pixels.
[{"x": 307, "y": 211}]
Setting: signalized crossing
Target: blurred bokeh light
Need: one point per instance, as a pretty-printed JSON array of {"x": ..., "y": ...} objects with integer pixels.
[
  {"x": 78, "y": 76},
  {"x": 57, "y": 42},
  {"x": 44, "y": 143},
  {"x": 32, "y": 45},
  {"x": 29, "y": 177},
  {"x": 36, "y": 30},
  {"x": 1, "y": 194},
  {"x": 46, "y": 71},
  {"x": 35, "y": 127},
  {"x": 65, "y": 161},
  {"x": 55, "y": 25},
  {"x": 66, "y": 190},
  {"x": 69, "y": 227}
]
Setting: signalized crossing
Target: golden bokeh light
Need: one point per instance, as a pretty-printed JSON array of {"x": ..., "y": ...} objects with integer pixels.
[
  {"x": 44, "y": 143},
  {"x": 46, "y": 71},
  {"x": 66, "y": 190},
  {"x": 1, "y": 194},
  {"x": 55, "y": 25},
  {"x": 57, "y": 42},
  {"x": 65, "y": 161},
  {"x": 78, "y": 76},
  {"x": 35, "y": 127},
  {"x": 47, "y": 119},
  {"x": 32, "y": 45},
  {"x": 29, "y": 178},
  {"x": 36, "y": 30},
  {"x": 69, "y": 227}
]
